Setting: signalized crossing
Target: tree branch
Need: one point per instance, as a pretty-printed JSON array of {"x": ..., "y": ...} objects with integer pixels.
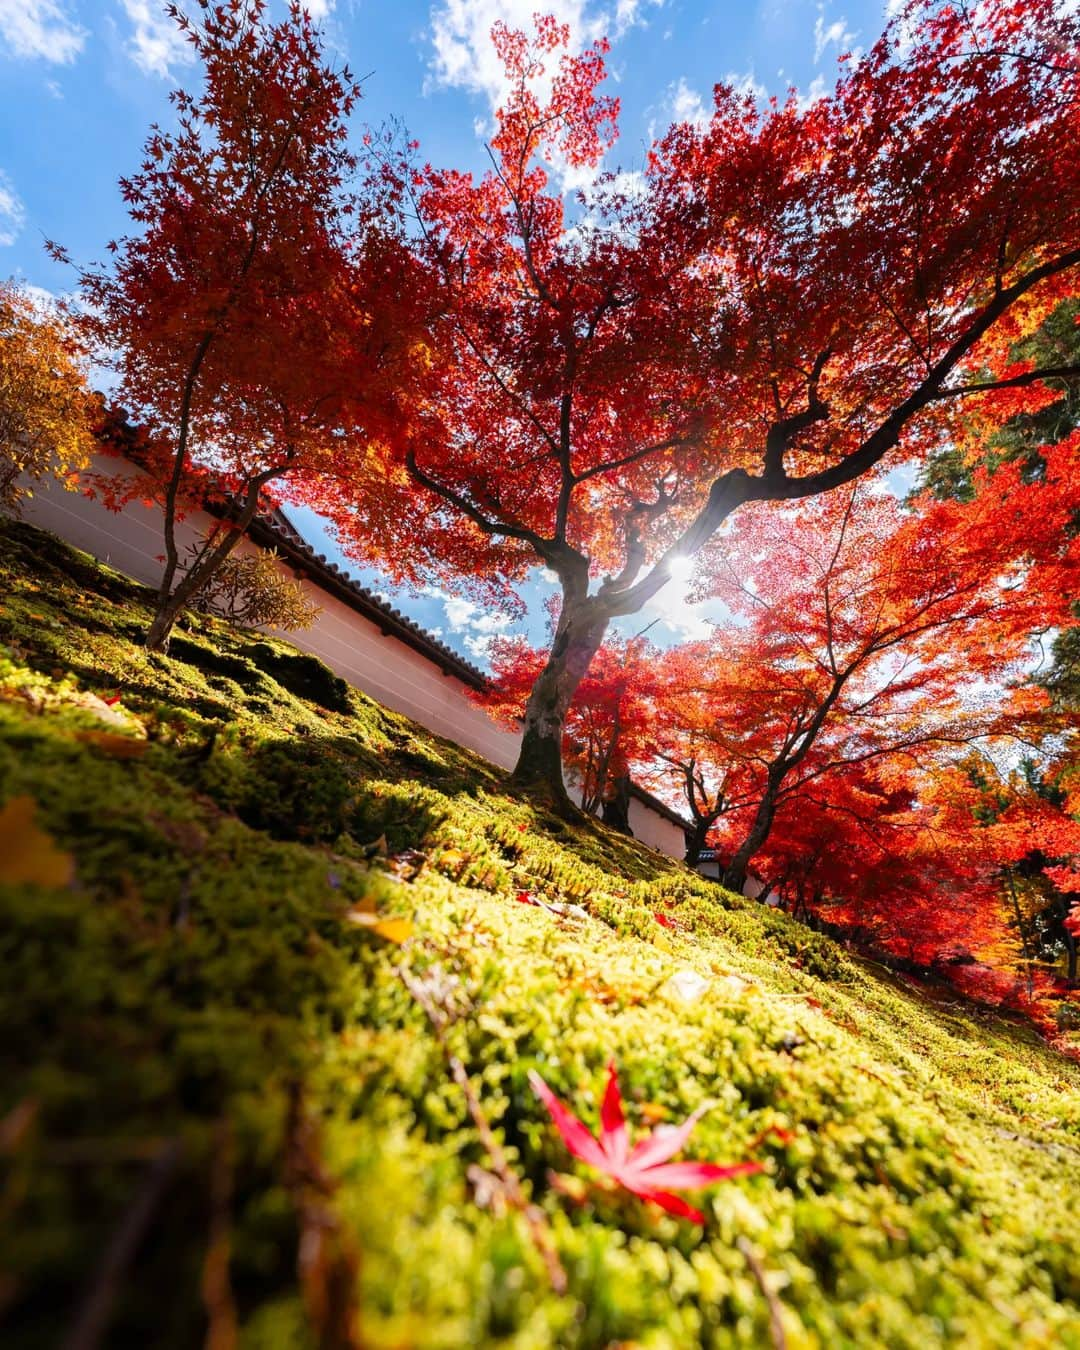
[{"x": 1013, "y": 382}]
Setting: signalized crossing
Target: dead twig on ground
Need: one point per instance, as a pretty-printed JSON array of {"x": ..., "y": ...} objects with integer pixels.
[
  {"x": 776, "y": 1316},
  {"x": 510, "y": 1186},
  {"x": 92, "y": 1318}
]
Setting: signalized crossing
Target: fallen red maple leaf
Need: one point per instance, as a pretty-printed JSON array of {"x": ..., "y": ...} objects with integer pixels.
[
  {"x": 643, "y": 1170},
  {"x": 665, "y": 920}
]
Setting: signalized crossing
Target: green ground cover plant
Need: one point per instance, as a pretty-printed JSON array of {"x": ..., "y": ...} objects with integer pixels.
[{"x": 272, "y": 994}]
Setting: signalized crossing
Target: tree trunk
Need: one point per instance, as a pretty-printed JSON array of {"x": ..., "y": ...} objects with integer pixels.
[
  {"x": 164, "y": 620},
  {"x": 696, "y": 842},
  {"x": 616, "y": 810},
  {"x": 734, "y": 877},
  {"x": 603, "y": 770},
  {"x": 578, "y": 636},
  {"x": 1072, "y": 948},
  {"x": 173, "y": 605},
  {"x": 1029, "y": 957},
  {"x": 172, "y": 601}
]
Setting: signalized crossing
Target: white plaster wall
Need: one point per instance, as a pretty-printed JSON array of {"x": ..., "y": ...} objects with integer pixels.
[
  {"x": 400, "y": 678},
  {"x": 395, "y": 675},
  {"x": 131, "y": 541},
  {"x": 655, "y": 830}
]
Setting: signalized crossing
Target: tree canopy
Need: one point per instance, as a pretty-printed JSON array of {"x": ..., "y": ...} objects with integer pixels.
[{"x": 783, "y": 297}]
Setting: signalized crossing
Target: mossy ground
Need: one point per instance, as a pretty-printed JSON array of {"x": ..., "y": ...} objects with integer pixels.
[{"x": 200, "y": 992}]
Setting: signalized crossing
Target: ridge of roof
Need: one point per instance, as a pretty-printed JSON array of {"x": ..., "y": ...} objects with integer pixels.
[
  {"x": 275, "y": 530},
  {"x": 655, "y": 804}
]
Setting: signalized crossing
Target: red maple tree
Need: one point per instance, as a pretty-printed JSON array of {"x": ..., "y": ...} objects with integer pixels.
[
  {"x": 782, "y": 298},
  {"x": 858, "y": 633},
  {"x": 258, "y": 320}
]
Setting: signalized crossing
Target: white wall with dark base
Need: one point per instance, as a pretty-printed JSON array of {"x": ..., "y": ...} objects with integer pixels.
[
  {"x": 354, "y": 648},
  {"x": 350, "y": 644}
]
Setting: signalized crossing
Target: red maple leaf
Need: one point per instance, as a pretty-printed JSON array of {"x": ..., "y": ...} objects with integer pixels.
[{"x": 643, "y": 1170}]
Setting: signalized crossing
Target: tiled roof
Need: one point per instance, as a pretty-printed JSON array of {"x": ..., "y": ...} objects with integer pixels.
[{"x": 274, "y": 530}]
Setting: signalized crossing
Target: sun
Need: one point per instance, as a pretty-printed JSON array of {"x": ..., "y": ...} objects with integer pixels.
[{"x": 681, "y": 569}]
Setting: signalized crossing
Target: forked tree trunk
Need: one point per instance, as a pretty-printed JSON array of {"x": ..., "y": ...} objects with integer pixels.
[
  {"x": 578, "y": 637},
  {"x": 172, "y": 600},
  {"x": 172, "y": 605}
]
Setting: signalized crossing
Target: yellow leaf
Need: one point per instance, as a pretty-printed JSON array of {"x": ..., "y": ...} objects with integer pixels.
[
  {"x": 118, "y": 747},
  {"x": 393, "y": 930},
  {"x": 28, "y": 855}
]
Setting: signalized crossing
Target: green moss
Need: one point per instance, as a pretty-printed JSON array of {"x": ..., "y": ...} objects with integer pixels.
[{"x": 202, "y": 974}]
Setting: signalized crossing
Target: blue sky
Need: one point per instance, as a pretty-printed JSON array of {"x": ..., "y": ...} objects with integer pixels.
[{"x": 81, "y": 80}]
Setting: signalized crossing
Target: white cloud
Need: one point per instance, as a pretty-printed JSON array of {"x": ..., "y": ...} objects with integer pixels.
[
  {"x": 465, "y": 617},
  {"x": 34, "y": 29},
  {"x": 745, "y": 83},
  {"x": 156, "y": 44},
  {"x": 836, "y": 34},
  {"x": 319, "y": 9},
  {"x": 43, "y": 299},
  {"x": 479, "y": 648},
  {"x": 463, "y": 57},
  {"x": 818, "y": 89},
  {"x": 12, "y": 212},
  {"x": 688, "y": 622},
  {"x": 459, "y": 613},
  {"x": 686, "y": 104}
]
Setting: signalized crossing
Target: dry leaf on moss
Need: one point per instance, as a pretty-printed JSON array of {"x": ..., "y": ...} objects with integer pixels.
[
  {"x": 393, "y": 930},
  {"x": 28, "y": 856},
  {"x": 117, "y": 747}
]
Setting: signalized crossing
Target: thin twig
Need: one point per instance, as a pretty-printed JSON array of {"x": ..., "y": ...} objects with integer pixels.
[
  {"x": 216, "y": 1286},
  {"x": 93, "y": 1316},
  {"x": 533, "y": 1215},
  {"x": 776, "y": 1316}
]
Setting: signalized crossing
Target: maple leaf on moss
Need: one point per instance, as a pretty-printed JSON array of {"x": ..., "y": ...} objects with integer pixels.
[{"x": 643, "y": 1170}]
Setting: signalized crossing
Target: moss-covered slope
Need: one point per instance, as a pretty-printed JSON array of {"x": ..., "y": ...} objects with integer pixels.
[{"x": 222, "y": 1107}]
